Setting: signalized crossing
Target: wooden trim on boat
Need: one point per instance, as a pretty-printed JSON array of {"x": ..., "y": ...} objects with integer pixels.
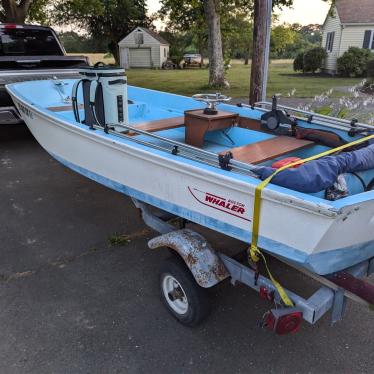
[
  {"x": 267, "y": 149},
  {"x": 251, "y": 124},
  {"x": 159, "y": 125},
  {"x": 63, "y": 108}
]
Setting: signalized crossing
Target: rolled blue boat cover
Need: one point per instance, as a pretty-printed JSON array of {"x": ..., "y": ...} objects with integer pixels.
[{"x": 317, "y": 175}]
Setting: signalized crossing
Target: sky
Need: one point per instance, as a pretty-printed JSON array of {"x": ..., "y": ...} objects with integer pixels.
[{"x": 304, "y": 11}]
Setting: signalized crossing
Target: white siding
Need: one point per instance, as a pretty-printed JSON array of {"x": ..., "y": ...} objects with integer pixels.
[
  {"x": 124, "y": 57},
  {"x": 164, "y": 53},
  {"x": 149, "y": 41},
  {"x": 332, "y": 24},
  {"x": 353, "y": 36}
]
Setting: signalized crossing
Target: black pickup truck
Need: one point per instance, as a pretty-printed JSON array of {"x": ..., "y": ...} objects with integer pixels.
[{"x": 29, "y": 52}]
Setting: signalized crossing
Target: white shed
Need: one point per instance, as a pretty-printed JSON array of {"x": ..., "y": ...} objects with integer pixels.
[
  {"x": 350, "y": 23},
  {"x": 143, "y": 48}
]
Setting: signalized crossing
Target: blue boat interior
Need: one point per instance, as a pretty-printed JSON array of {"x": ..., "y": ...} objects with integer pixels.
[{"x": 148, "y": 105}]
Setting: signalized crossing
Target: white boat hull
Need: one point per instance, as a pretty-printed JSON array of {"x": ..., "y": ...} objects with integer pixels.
[{"x": 315, "y": 236}]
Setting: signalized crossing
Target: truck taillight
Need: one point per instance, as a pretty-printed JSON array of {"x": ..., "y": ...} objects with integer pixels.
[
  {"x": 11, "y": 26},
  {"x": 283, "y": 321}
]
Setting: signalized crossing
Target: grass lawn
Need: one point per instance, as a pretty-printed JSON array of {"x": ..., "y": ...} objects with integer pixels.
[{"x": 282, "y": 79}]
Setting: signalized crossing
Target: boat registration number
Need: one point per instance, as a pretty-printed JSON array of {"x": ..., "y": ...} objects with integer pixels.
[{"x": 26, "y": 111}]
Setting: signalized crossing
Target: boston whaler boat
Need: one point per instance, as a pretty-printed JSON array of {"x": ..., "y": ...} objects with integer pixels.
[{"x": 203, "y": 160}]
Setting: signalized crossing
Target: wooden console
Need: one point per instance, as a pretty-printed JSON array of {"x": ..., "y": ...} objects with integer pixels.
[{"x": 198, "y": 124}]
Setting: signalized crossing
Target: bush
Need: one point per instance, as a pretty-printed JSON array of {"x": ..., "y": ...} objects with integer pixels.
[
  {"x": 353, "y": 63},
  {"x": 370, "y": 69},
  {"x": 298, "y": 64},
  {"x": 313, "y": 59}
]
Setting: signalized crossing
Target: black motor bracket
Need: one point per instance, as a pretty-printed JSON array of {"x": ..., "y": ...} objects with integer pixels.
[{"x": 273, "y": 119}]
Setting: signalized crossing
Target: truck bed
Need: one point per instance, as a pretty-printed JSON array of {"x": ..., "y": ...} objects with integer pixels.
[{"x": 31, "y": 52}]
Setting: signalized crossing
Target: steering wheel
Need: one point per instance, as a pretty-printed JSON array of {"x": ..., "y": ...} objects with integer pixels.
[{"x": 211, "y": 101}]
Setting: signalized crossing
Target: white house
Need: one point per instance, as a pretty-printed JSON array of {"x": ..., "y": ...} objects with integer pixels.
[
  {"x": 143, "y": 48},
  {"x": 350, "y": 23}
]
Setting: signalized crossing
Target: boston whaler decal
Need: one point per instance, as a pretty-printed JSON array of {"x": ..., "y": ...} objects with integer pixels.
[{"x": 226, "y": 205}]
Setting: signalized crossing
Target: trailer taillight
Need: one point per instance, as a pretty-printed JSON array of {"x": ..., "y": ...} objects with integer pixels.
[{"x": 283, "y": 321}]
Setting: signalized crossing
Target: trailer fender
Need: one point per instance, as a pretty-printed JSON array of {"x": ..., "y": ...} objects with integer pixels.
[{"x": 202, "y": 260}]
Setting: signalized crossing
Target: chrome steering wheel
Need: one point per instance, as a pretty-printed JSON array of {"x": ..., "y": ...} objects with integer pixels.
[{"x": 211, "y": 101}]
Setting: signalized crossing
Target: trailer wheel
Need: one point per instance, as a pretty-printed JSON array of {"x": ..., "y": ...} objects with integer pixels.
[{"x": 184, "y": 298}]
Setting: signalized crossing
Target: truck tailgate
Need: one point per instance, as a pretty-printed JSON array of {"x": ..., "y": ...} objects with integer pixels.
[
  {"x": 13, "y": 76},
  {"x": 8, "y": 113}
]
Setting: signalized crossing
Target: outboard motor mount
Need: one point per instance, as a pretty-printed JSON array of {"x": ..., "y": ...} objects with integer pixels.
[
  {"x": 274, "y": 119},
  {"x": 104, "y": 90}
]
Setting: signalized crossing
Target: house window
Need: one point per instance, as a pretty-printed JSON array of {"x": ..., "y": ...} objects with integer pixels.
[
  {"x": 139, "y": 37},
  {"x": 330, "y": 41},
  {"x": 164, "y": 52},
  {"x": 369, "y": 39}
]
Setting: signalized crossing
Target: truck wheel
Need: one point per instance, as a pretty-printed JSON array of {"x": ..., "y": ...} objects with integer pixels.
[{"x": 185, "y": 299}]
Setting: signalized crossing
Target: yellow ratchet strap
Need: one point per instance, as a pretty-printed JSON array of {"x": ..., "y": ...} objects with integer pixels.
[{"x": 255, "y": 252}]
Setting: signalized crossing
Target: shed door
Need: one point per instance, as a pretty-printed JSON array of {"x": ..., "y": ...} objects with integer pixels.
[{"x": 140, "y": 58}]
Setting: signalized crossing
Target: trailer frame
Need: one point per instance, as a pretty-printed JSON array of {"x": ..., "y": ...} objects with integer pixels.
[{"x": 209, "y": 267}]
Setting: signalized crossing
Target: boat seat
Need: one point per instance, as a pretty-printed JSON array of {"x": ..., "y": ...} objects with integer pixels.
[
  {"x": 159, "y": 125},
  {"x": 151, "y": 126},
  {"x": 265, "y": 150}
]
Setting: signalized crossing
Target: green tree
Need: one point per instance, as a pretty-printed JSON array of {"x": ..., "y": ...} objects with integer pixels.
[
  {"x": 259, "y": 55},
  {"x": 210, "y": 20},
  {"x": 310, "y": 33},
  {"x": 298, "y": 64},
  {"x": 180, "y": 43},
  {"x": 290, "y": 40},
  {"x": 313, "y": 59},
  {"x": 186, "y": 17},
  {"x": 237, "y": 34},
  {"x": 108, "y": 19},
  {"x": 76, "y": 43},
  {"x": 17, "y": 11},
  {"x": 282, "y": 36},
  {"x": 204, "y": 19},
  {"x": 207, "y": 16},
  {"x": 353, "y": 63},
  {"x": 212, "y": 14}
]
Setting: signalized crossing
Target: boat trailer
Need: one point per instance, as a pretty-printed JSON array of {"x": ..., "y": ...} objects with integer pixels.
[{"x": 184, "y": 279}]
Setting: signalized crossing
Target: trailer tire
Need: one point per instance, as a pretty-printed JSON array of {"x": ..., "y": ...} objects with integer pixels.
[{"x": 182, "y": 296}]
